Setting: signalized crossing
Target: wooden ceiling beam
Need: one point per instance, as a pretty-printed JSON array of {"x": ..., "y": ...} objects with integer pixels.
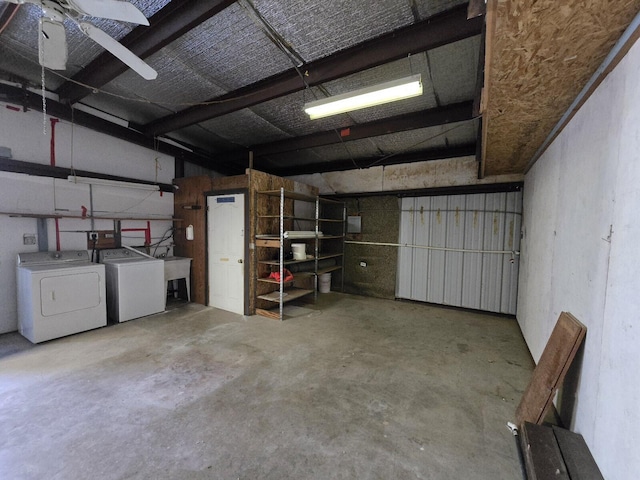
[
  {"x": 165, "y": 26},
  {"x": 436, "y": 31}
]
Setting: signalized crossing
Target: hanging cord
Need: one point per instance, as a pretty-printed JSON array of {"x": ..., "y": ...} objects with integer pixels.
[
  {"x": 382, "y": 159},
  {"x": 73, "y": 123},
  {"x": 44, "y": 103}
]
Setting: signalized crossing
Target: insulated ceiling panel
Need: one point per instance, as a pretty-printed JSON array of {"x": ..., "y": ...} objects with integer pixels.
[
  {"x": 177, "y": 87},
  {"x": 427, "y": 8},
  {"x": 203, "y": 138},
  {"x": 441, "y": 136},
  {"x": 244, "y": 128},
  {"x": 454, "y": 70},
  {"x": 318, "y": 29},
  {"x": 144, "y": 111},
  {"x": 228, "y": 50},
  {"x": 370, "y": 151},
  {"x": 287, "y": 113}
]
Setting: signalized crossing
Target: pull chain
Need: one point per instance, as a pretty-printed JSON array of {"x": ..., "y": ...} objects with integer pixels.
[{"x": 44, "y": 105}]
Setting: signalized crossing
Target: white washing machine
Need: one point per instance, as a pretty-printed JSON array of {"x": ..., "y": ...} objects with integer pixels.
[
  {"x": 135, "y": 284},
  {"x": 59, "y": 294}
]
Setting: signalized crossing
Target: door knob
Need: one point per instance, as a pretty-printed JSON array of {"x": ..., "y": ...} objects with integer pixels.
[{"x": 239, "y": 260}]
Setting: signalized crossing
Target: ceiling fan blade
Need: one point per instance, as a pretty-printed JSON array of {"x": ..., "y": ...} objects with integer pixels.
[
  {"x": 113, "y": 9},
  {"x": 118, "y": 50},
  {"x": 52, "y": 44}
]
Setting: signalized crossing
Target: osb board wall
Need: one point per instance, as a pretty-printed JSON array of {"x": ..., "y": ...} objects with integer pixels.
[
  {"x": 191, "y": 192},
  {"x": 267, "y": 205},
  {"x": 380, "y": 221},
  {"x": 540, "y": 54}
]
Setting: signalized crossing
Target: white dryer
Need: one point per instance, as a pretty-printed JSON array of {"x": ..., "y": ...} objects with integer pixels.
[
  {"x": 135, "y": 284},
  {"x": 59, "y": 294}
]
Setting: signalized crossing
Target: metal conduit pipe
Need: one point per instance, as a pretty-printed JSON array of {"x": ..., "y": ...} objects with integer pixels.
[{"x": 426, "y": 247}]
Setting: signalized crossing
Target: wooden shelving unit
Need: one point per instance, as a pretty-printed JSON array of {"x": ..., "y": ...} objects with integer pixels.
[{"x": 271, "y": 234}]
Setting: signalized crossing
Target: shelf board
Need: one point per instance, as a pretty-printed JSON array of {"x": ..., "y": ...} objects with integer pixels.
[
  {"x": 292, "y": 262},
  {"x": 274, "y": 282},
  {"x": 328, "y": 200},
  {"x": 296, "y": 276},
  {"x": 289, "y": 217},
  {"x": 329, "y": 255},
  {"x": 268, "y": 242},
  {"x": 299, "y": 196},
  {"x": 302, "y": 237},
  {"x": 291, "y": 294},
  {"x": 273, "y": 314},
  {"x": 289, "y": 194},
  {"x": 329, "y": 269},
  {"x": 286, "y": 262}
]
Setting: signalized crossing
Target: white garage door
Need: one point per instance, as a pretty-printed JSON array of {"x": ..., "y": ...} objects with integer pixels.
[{"x": 460, "y": 250}]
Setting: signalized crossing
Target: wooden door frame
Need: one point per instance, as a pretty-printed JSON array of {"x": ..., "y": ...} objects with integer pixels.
[{"x": 247, "y": 233}]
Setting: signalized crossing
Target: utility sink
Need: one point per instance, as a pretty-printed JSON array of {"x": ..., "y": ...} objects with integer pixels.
[{"x": 176, "y": 268}]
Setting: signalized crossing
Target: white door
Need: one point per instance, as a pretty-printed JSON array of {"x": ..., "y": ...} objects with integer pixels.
[{"x": 226, "y": 246}]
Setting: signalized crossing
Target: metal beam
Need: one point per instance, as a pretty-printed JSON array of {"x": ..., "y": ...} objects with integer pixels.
[
  {"x": 30, "y": 100},
  {"x": 426, "y": 118},
  {"x": 165, "y": 26},
  {"x": 436, "y": 191},
  {"x": 42, "y": 170},
  {"x": 7, "y": 13},
  {"x": 441, "y": 29},
  {"x": 342, "y": 165}
]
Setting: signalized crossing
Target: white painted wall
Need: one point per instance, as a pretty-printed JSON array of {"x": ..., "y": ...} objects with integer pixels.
[
  {"x": 586, "y": 185},
  {"x": 409, "y": 176},
  {"x": 23, "y": 134}
]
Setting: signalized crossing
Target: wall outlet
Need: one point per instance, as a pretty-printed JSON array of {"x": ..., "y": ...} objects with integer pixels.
[
  {"x": 363, "y": 264},
  {"x": 29, "y": 239},
  {"x": 93, "y": 236}
]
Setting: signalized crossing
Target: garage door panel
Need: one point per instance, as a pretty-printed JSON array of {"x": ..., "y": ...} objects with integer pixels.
[{"x": 483, "y": 277}]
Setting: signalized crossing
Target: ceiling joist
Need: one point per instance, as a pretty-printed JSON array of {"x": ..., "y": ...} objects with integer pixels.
[
  {"x": 426, "y": 118},
  {"x": 436, "y": 31},
  {"x": 349, "y": 164}
]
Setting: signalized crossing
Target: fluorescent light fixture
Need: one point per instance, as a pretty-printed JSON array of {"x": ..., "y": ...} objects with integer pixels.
[
  {"x": 112, "y": 183},
  {"x": 366, "y": 97}
]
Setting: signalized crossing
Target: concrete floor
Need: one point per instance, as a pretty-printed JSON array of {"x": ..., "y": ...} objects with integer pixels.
[{"x": 352, "y": 387}]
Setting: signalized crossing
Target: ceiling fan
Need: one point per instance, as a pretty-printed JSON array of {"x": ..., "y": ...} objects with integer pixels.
[{"x": 52, "y": 42}]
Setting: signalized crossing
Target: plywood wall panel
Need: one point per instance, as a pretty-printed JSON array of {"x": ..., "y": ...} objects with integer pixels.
[
  {"x": 539, "y": 57},
  {"x": 191, "y": 191}
]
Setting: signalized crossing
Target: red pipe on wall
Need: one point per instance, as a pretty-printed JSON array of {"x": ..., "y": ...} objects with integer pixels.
[{"x": 147, "y": 232}]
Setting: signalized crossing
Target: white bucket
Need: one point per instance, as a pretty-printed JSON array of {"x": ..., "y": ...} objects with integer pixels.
[
  {"x": 324, "y": 283},
  {"x": 299, "y": 251}
]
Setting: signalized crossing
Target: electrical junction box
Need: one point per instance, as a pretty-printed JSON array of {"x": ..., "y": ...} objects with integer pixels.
[
  {"x": 29, "y": 239},
  {"x": 354, "y": 224},
  {"x": 101, "y": 239}
]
